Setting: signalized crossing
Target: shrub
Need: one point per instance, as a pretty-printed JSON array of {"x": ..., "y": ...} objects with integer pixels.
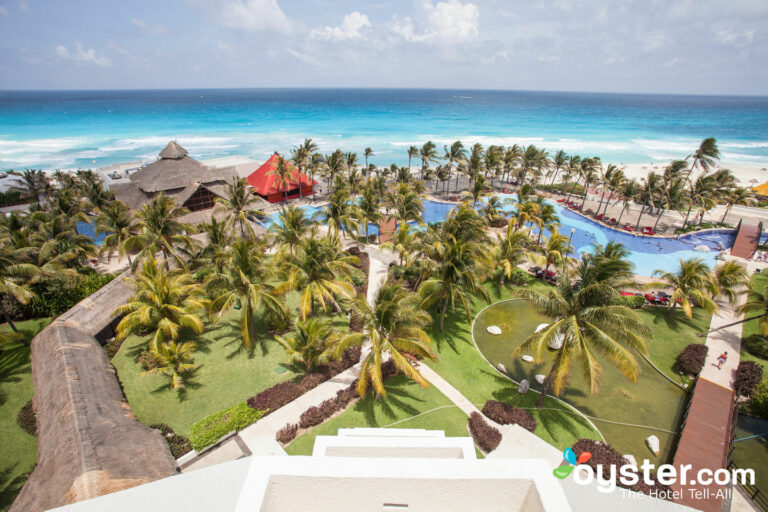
[
  {"x": 311, "y": 417},
  {"x": 505, "y": 414},
  {"x": 748, "y": 377},
  {"x": 56, "y": 295},
  {"x": 484, "y": 435},
  {"x": 271, "y": 399},
  {"x": 691, "y": 359},
  {"x": 178, "y": 444},
  {"x": 606, "y": 456},
  {"x": 758, "y": 403},
  {"x": 112, "y": 347},
  {"x": 757, "y": 345},
  {"x": 147, "y": 360},
  {"x": 211, "y": 428},
  {"x": 498, "y": 222},
  {"x": 632, "y": 301},
  {"x": 287, "y": 434},
  {"x": 27, "y": 419},
  {"x": 312, "y": 380}
]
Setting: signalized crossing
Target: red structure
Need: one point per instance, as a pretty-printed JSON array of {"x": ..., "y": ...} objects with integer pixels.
[{"x": 268, "y": 185}]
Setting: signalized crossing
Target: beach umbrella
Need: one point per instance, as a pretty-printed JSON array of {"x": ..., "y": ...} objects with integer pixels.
[{"x": 754, "y": 181}]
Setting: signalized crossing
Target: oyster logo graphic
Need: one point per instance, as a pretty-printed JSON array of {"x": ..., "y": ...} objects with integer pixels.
[{"x": 570, "y": 457}]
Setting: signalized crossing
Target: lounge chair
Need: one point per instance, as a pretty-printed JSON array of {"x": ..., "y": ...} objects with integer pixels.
[{"x": 627, "y": 227}]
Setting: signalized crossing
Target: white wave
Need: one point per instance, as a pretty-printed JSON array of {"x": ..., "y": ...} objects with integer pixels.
[{"x": 745, "y": 145}]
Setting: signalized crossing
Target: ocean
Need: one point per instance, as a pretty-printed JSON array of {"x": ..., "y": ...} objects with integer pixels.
[{"x": 87, "y": 129}]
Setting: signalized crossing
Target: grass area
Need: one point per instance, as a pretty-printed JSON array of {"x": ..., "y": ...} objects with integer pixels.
[
  {"x": 759, "y": 281},
  {"x": 18, "y": 451},
  {"x": 404, "y": 400},
  {"x": 463, "y": 366},
  {"x": 226, "y": 373},
  {"x": 752, "y": 453}
]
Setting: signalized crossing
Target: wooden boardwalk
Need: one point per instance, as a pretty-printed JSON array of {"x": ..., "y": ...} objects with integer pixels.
[
  {"x": 705, "y": 443},
  {"x": 747, "y": 239}
]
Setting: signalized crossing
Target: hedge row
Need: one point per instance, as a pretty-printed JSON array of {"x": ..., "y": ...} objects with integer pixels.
[
  {"x": 212, "y": 428},
  {"x": 316, "y": 415},
  {"x": 606, "y": 456},
  {"x": 505, "y": 414},
  {"x": 749, "y": 374},
  {"x": 271, "y": 399},
  {"x": 632, "y": 301},
  {"x": 691, "y": 360},
  {"x": 56, "y": 295},
  {"x": 178, "y": 444},
  {"x": 484, "y": 435},
  {"x": 757, "y": 345}
]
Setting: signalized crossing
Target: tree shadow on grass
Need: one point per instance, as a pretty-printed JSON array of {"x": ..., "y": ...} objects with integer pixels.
[
  {"x": 14, "y": 362},
  {"x": 673, "y": 322},
  {"x": 10, "y": 486},
  {"x": 181, "y": 395},
  {"x": 398, "y": 398}
]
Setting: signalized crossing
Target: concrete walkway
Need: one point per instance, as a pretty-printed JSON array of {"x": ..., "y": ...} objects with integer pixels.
[{"x": 725, "y": 340}]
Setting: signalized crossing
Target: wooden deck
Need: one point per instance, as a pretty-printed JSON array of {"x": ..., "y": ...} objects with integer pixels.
[
  {"x": 747, "y": 239},
  {"x": 704, "y": 443},
  {"x": 387, "y": 229}
]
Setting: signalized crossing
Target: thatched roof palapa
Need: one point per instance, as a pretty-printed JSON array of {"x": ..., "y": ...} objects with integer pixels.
[{"x": 89, "y": 443}]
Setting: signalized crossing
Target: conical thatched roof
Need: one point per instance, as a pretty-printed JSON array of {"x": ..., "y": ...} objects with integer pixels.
[
  {"x": 173, "y": 151},
  {"x": 89, "y": 444}
]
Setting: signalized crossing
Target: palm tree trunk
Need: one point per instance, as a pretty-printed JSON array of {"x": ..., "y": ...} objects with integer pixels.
[
  {"x": 656, "y": 224},
  {"x": 732, "y": 323},
  {"x": 685, "y": 222},
  {"x": 727, "y": 209},
  {"x": 621, "y": 214},
  {"x": 573, "y": 187},
  {"x": 586, "y": 188},
  {"x": 554, "y": 178},
  {"x": 639, "y": 217},
  {"x": 600, "y": 204},
  {"x": 442, "y": 316},
  {"x": 547, "y": 384},
  {"x": 8, "y": 319}
]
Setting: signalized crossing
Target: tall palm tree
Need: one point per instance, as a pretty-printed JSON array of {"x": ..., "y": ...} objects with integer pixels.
[
  {"x": 369, "y": 207},
  {"x": 165, "y": 303},
  {"x": 321, "y": 271},
  {"x": 692, "y": 283},
  {"x": 731, "y": 280},
  {"x": 459, "y": 275},
  {"x": 530, "y": 160},
  {"x": 588, "y": 322},
  {"x": 526, "y": 213},
  {"x": 560, "y": 160},
  {"x": 403, "y": 242},
  {"x": 392, "y": 325},
  {"x": 627, "y": 191},
  {"x": 455, "y": 154},
  {"x": 335, "y": 163},
  {"x": 15, "y": 278},
  {"x": 512, "y": 248},
  {"x": 308, "y": 344},
  {"x": 555, "y": 252},
  {"x": 702, "y": 193},
  {"x": 478, "y": 189},
  {"x": 705, "y": 156},
  {"x": 672, "y": 189},
  {"x": 339, "y": 213},
  {"x": 160, "y": 230},
  {"x": 739, "y": 195},
  {"x": 291, "y": 226},
  {"x": 238, "y": 202},
  {"x": 246, "y": 283},
  {"x": 428, "y": 155},
  {"x": 301, "y": 157},
  {"x": 755, "y": 307},
  {"x": 649, "y": 190},
  {"x": 58, "y": 241},
  {"x": 413, "y": 152},
  {"x": 116, "y": 222},
  {"x": 367, "y": 154},
  {"x": 35, "y": 182},
  {"x": 574, "y": 168},
  {"x": 173, "y": 360},
  {"x": 407, "y": 203},
  {"x": 284, "y": 176}
]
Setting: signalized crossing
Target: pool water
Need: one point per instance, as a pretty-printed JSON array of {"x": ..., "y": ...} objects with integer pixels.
[
  {"x": 89, "y": 230},
  {"x": 647, "y": 254}
]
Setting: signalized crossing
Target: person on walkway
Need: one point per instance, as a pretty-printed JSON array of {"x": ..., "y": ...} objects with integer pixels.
[{"x": 721, "y": 359}]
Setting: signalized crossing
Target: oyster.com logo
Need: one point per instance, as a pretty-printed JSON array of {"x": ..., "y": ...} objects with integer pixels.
[{"x": 570, "y": 457}]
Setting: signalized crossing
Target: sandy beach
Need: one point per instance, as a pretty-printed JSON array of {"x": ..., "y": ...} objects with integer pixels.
[{"x": 743, "y": 172}]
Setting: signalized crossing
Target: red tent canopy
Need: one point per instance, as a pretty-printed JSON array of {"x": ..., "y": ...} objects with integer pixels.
[{"x": 267, "y": 184}]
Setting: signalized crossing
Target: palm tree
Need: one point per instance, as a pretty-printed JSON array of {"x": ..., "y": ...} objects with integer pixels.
[
  {"x": 340, "y": 213},
  {"x": 321, "y": 271},
  {"x": 291, "y": 226},
  {"x": 574, "y": 168},
  {"x": 513, "y": 247},
  {"x": 458, "y": 277},
  {"x": 160, "y": 230},
  {"x": 649, "y": 189},
  {"x": 478, "y": 189},
  {"x": 335, "y": 164},
  {"x": 586, "y": 321},
  {"x": 555, "y": 252},
  {"x": 589, "y": 170},
  {"x": 428, "y": 154},
  {"x": 284, "y": 176},
  {"x": 413, "y": 152},
  {"x": 36, "y": 182},
  {"x": 705, "y": 156},
  {"x": 403, "y": 242},
  {"x": 308, "y": 343},
  {"x": 59, "y": 242},
  {"x": 531, "y": 159},
  {"x": 165, "y": 303},
  {"x": 407, "y": 203},
  {"x": 245, "y": 283},
  {"x": 301, "y": 157},
  {"x": 367, "y": 154},
  {"x": 739, "y": 195},
  {"x": 756, "y": 306},
  {"x": 116, "y": 222},
  {"x": 526, "y": 213},
  {"x": 369, "y": 207},
  {"x": 626, "y": 192},
  {"x": 15, "y": 278},
  {"x": 393, "y": 326},
  {"x": 559, "y": 161},
  {"x": 702, "y": 193},
  {"x": 692, "y": 282},
  {"x": 239, "y": 197},
  {"x": 455, "y": 154},
  {"x": 173, "y": 360},
  {"x": 731, "y": 279}
]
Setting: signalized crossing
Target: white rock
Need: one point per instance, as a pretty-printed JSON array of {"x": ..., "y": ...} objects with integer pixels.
[
  {"x": 523, "y": 387},
  {"x": 701, "y": 248},
  {"x": 494, "y": 329},
  {"x": 540, "y": 327},
  {"x": 527, "y": 358},
  {"x": 540, "y": 378},
  {"x": 653, "y": 444},
  {"x": 501, "y": 367},
  {"x": 631, "y": 459}
]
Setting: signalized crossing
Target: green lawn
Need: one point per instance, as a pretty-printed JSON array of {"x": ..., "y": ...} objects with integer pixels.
[
  {"x": 405, "y": 399},
  {"x": 18, "y": 451},
  {"x": 226, "y": 374},
  {"x": 751, "y": 328},
  {"x": 462, "y": 365}
]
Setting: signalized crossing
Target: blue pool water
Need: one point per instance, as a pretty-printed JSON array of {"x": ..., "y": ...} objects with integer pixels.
[
  {"x": 647, "y": 254},
  {"x": 87, "y": 229}
]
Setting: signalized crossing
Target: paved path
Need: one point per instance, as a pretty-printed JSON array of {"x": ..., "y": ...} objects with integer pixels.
[{"x": 725, "y": 340}]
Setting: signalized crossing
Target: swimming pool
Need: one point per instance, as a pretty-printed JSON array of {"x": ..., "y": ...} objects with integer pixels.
[
  {"x": 89, "y": 230},
  {"x": 647, "y": 254}
]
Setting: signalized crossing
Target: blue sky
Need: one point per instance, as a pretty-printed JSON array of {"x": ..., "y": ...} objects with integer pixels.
[{"x": 675, "y": 46}]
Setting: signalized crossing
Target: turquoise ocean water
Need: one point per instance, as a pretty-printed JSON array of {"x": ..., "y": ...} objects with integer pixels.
[{"x": 74, "y": 129}]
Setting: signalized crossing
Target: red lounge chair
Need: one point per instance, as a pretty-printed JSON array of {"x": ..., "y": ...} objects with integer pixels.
[
  {"x": 628, "y": 227},
  {"x": 626, "y": 294},
  {"x": 599, "y": 217},
  {"x": 613, "y": 220},
  {"x": 562, "y": 200}
]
